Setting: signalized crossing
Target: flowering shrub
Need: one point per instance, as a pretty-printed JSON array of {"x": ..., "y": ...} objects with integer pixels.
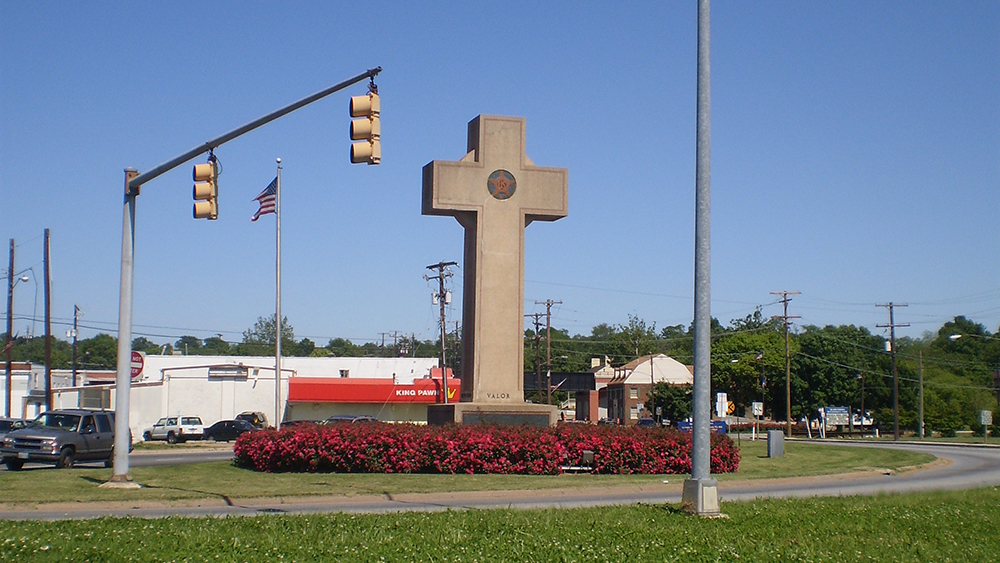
[{"x": 408, "y": 448}]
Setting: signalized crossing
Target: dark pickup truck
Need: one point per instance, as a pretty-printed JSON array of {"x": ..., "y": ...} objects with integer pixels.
[{"x": 62, "y": 437}]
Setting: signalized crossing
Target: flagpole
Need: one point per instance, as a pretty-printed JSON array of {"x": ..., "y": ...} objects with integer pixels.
[{"x": 277, "y": 299}]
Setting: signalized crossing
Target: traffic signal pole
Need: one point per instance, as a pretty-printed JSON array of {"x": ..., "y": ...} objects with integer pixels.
[{"x": 133, "y": 181}]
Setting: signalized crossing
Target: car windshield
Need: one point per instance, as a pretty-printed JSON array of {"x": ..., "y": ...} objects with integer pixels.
[
  {"x": 191, "y": 420},
  {"x": 60, "y": 421}
]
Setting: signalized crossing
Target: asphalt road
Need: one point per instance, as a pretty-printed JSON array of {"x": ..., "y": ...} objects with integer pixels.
[
  {"x": 962, "y": 467},
  {"x": 149, "y": 458}
]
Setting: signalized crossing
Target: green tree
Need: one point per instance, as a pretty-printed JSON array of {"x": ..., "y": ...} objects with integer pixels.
[
  {"x": 342, "y": 348},
  {"x": 98, "y": 352},
  {"x": 634, "y": 340},
  {"x": 216, "y": 346},
  {"x": 305, "y": 347},
  {"x": 828, "y": 367},
  {"x": 747, "y": 365},
  {"x": 674, "y": 401},
  {"x": 259, "y": 340},
  {"x": 145, "y": 345},
  {"x": 189, "y": 345},
  {"x": 27, "y": 349}
]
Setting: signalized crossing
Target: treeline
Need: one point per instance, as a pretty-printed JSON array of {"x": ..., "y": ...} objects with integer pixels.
[
  {"x": 841, "y": 365},
  {"x": 844, "y": 365}
]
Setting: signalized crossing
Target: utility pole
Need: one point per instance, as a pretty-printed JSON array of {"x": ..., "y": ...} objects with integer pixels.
[
  {"x": 548, "y": 353},
  {"x": 9, "y": 345},
  {"x": 920, "y": 419},
  {"x": 442, "y": 274},
  {"x": 892, "y": 350},
  {"x": 48, "y": 325},
  {"x": 788, "y": 359},
  {"x": 76, "y": 318},
  {"x": 537, "y": 320}
]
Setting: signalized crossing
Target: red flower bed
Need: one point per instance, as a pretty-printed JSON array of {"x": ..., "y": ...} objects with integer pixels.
[{"x": 408, "y": 448}]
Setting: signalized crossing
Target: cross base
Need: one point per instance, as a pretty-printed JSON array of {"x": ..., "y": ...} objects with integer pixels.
[{"x": 525, "y": 414}]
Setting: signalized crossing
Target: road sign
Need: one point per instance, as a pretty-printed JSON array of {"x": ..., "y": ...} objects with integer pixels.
[
  {"x": 137, "y": 362},
  {"x": 721, "y": 404},
  {"x": 985, "y": 417},
  {"x": 837, "y": 415},
  {"x": 758, "y": 408}
]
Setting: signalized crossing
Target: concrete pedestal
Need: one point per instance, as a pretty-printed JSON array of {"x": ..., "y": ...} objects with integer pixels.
[
  {"x": 701, "y": 497},
  {"x": 524, "y": 414}
]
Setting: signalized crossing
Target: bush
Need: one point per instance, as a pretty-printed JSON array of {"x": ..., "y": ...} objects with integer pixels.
[{"x": 408, "y": 448}]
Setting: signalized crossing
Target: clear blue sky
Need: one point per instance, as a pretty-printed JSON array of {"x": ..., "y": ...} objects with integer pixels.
[{"x": 855, "y": 158}]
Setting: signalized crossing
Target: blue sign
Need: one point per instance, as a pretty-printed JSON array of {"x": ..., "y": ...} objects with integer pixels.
[{"x": 718, "y": 426}]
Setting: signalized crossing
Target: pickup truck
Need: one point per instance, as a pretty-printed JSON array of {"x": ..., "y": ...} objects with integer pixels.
[
  {"x": 175, "y": 429},
  {"x": 62, "y": 436}
]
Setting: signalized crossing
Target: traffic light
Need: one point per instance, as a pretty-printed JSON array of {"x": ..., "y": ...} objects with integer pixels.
[
  {"x": 206, "y": 190},
  {"x": 367, "y": 129}
]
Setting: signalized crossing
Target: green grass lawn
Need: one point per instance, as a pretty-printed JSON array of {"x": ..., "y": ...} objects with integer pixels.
[
  {"x": 946, "y": 526},
  {"x": 223, "y": 480}
]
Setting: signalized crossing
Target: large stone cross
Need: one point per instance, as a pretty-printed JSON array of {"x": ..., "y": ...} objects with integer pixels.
[{"x": 495, "y": 191}]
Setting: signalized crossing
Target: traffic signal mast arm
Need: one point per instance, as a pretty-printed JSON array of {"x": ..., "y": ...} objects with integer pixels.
[
  {"x": 133, "y": 180},
  {"x": 134, "y": 183}
]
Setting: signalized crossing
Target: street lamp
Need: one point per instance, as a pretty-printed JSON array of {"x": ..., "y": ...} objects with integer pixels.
[{"x": 9, "y": 345}]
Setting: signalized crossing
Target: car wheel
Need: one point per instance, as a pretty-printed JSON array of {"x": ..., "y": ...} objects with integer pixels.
[
  {"x": 13, "y": 464},
  {"x": 66, "y": 458},
  {"x": 146, "y": 436},
  {"x": 171, "y": 438}
]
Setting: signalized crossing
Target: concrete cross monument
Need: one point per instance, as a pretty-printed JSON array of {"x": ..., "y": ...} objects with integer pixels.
[{"x": 494, "y": 192}]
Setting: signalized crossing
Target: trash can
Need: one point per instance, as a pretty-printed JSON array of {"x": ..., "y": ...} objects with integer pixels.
[{"x": 775, "y": 443}]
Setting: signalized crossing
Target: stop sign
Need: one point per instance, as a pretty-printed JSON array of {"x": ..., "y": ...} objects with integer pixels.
[{"x": 137, "y": 363}]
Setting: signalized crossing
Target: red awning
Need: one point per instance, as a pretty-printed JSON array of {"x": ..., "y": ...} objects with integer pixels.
[{"x": 349, "y": 390}]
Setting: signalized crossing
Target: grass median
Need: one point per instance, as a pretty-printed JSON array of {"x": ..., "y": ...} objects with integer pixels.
[
  {"x": 941, "y": 526},
  {"x": 40, "y": 485}
]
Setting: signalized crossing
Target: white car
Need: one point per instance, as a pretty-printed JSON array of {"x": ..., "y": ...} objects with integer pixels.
[{"x": 175, "y": 429}]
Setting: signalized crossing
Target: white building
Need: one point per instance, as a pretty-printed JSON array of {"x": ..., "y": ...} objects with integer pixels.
[{"x": 220, "y": 387}]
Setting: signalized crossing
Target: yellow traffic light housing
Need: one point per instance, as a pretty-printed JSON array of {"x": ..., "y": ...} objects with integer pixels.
[
  {"x": 366, "y": 129},
  {"x": 206, "y": 190}
]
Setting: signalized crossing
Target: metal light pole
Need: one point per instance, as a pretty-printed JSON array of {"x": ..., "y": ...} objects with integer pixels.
[{"x": 701, "y": 493}]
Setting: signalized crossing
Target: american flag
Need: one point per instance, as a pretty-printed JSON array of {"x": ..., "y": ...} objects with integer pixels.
[{"x": 266, "y": 199}]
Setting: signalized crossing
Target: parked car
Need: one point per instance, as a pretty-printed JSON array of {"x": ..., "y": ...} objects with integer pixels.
[
  {"x": 350, "y": 418},
  {"x": 647, "y": 423},
  {"x": 257, "y": 419},
  {"x": 62, "y": 436},
  {"x": 175, "y": 429},
  {"x": 226, "y": 430},
  {"x": 8, "y": 424},
  {"x": 294, "y": 423}
]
